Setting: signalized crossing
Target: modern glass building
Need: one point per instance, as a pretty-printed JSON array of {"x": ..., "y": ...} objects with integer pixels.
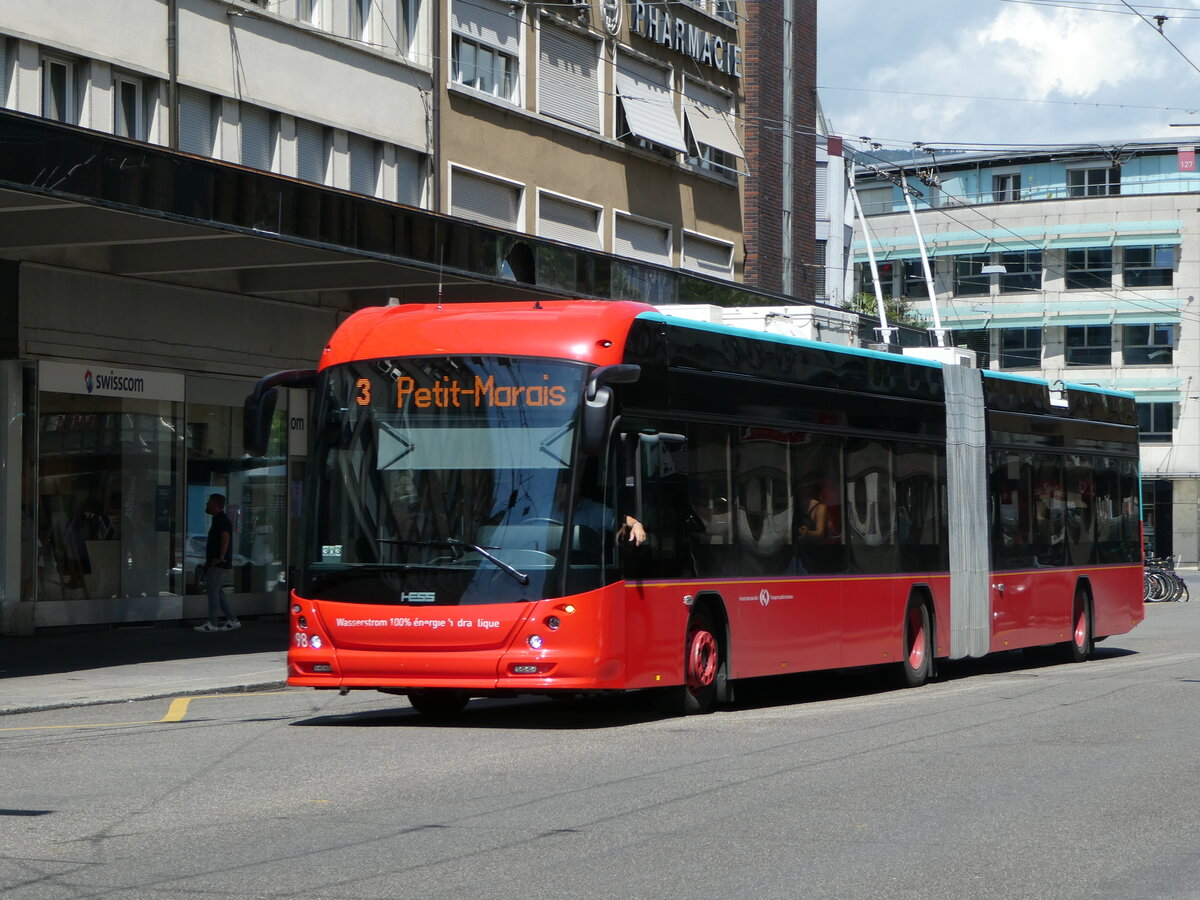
[{"x": 1073, "y": 263}]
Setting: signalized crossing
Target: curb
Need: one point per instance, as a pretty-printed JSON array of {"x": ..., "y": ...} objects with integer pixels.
[{"x": 256, "y": 687}]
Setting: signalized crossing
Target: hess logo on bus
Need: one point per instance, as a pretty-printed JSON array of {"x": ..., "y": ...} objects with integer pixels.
[{"x": 478, "y": 393}]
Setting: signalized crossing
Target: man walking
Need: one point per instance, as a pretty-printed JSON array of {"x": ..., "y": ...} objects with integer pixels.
[{"x": 219, "y": 559}]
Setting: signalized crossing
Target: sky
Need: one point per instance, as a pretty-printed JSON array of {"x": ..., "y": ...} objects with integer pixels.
[{"x": 994, "y": 73}]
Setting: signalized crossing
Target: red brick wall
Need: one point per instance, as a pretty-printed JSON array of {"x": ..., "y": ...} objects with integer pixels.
[{"x": 763, "y": 185}]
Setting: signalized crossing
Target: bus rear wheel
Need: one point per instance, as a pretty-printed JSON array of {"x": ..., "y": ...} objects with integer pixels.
[
  {"x": 1079, "y": 647},
  {"x": 438, "y": 702},
  {"x": 917, "y": 664}
]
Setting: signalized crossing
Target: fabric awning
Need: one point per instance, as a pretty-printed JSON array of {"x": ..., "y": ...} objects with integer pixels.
[
  {"x": 713, "y": 127},
  {"x": 650, "y": 113}
]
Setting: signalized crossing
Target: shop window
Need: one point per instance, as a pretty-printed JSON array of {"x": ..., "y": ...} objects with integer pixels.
[
  {"x": 255, "y": 492},
  {"x": 1020, "y": 348},
  {"x": 107, "y": 483},
  {"x": 969, "y": 279},
  {"x": 1148, "y": 345},
  {"x": 1089, "y": 268},
  {"x": 1089, "y": 345},
  {"x": 1094, "y": 182},
  {"x": 1022, "y": 271},
  {"x": 1154, "y": 422},
  {"x": 1149, "y": 266}
]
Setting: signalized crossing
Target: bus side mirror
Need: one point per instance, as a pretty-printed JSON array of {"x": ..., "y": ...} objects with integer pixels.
[
  {"x": 598, "y": 402},
  {"x": 597, "y": 415},
  {"x": 259, "y": 408}
]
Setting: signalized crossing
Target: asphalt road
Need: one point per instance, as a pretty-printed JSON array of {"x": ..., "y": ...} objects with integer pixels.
[{"x": 1009, "y": 778}]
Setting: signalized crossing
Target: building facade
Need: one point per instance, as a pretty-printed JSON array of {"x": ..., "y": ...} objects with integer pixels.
[
  {"x": 194, "y": 192},
  {"x": 781, "y": 174},
  {"x": 1075, "y": 264}
]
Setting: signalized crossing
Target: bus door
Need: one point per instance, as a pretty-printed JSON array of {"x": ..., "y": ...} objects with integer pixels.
[{"x": 655, "y": 491}]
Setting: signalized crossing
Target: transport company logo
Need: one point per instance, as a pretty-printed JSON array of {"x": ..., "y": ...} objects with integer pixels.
[
  {"x": 87, "y": 380},
  {"x": 764, "y": 597}
]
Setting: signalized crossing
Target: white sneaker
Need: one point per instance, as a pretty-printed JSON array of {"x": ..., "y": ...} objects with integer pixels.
[
  {"x": 207, "y": 627},
  {"x": 231, "y": 624}
]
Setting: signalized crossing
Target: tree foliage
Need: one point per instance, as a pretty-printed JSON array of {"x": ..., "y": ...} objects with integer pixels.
[{"x": 898, "y": 310}]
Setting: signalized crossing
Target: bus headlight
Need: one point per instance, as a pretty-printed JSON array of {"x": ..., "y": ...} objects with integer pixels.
[{"x": 535, "y": 641}]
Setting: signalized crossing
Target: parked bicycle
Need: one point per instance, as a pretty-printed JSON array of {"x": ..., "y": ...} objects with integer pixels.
[{"x": 1162, "y": 583}]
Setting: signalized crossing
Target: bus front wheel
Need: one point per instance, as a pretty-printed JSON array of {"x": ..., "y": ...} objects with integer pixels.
[
  {"x": 701, "y": 665},
  {"x": 701, "y": 670},
  {"x": 438, "y": 702}
]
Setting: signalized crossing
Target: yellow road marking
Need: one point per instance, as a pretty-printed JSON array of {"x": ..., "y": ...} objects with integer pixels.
[{"x": 175, "y": 713}]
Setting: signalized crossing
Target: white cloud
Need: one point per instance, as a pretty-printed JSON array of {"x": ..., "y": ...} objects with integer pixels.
[
  {"x": 1102, "y": 74},
  {"x": 1048, "y": 52}
]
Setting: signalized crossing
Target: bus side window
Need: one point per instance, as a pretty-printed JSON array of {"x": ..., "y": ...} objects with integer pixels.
[
  {"x": 870, "y": 505},
  {"x": 817, "y": 467},
  {"x": 660, "y": 470},
  {"x": 709, "y": 492}
]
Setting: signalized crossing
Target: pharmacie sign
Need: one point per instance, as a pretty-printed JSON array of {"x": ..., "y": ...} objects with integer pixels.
[{"x": 656, "y": 24}]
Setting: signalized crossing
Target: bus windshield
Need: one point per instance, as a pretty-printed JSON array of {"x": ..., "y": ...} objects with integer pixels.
[{"x": 440, "y": 480}]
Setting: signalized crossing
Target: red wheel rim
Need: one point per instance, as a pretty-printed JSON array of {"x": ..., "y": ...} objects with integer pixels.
[
  {"x": 1080, "y": 624},
  {"x": 916, "y": 637},
  {"x": 701, "y": 661}
]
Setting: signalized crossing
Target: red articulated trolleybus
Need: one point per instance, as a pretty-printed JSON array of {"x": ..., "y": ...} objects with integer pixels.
[{"x": 474, "y": 469}]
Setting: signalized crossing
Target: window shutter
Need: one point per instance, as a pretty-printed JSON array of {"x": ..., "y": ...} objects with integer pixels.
[
  {"x": 484, "y": 200},
  {"x": 642, "y": 240},
  {"x": 567, "y": 78},
  {"x": 709, "y": 257},
  {"x": 410, "y": 177},
  {"x": 822, "y": 190},
  {"x": 363, "y": 165},
  {"x": 195, "y": 122},
  {"x": 571, "y": 223},
  {"x": 487, "y": 22},
  {"x": 256, "y": 137},
  {"x": 310, "y": 151}
]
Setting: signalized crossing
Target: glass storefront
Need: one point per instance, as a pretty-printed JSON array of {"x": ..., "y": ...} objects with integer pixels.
[
  {"x": 107, "y": 482},
  {"x": 116, "y": 475}
]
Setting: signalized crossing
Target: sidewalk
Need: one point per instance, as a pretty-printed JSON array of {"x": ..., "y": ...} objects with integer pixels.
[{"x": 53, "y": 671}]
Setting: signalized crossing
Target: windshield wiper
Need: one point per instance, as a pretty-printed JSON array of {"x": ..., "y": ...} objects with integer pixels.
[{"x": 520, "y": 576}]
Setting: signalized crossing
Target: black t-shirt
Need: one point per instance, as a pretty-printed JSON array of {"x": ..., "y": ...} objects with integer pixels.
[{"x": 220, "y": 523}]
